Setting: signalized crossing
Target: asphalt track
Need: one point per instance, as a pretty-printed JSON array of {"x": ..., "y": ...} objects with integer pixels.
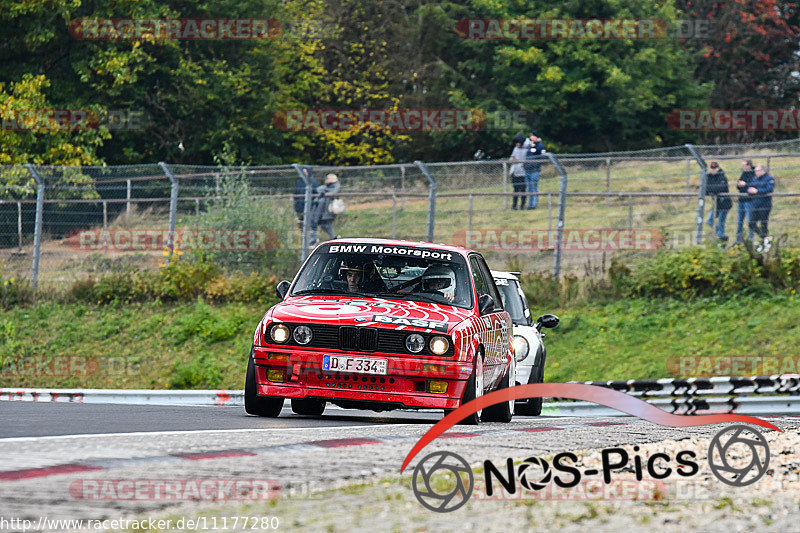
[{"x": 52, "y": 454}]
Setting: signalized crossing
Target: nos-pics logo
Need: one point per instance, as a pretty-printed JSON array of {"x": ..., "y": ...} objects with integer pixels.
[{"x": 443, "y": 481}]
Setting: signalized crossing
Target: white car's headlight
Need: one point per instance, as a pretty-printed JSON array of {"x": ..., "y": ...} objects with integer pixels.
[{"x": 521, "y": 347}]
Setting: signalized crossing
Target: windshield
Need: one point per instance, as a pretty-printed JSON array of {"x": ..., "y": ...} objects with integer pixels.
[
  {"x": 400, "y": 272},
  {"x": 513, "y": 301}
]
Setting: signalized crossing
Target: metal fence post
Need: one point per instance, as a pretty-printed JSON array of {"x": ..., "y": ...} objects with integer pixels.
[
  {"x": 562, "y": 207},
  {"x": 128, "y": 197},
  {"x": 19, "y": 225},
  {"x": 305, "y": 240},
  {"x": 470, "y": 211},
  {"x": 394, "y": 216},
  {"x": 505, "y": 185},
  {"x": 608, "y": 178},
  {"x": 431, "y": 200},
  {"x": 701, "y": 193},
  {"x": 402, "y": 188},
  {"x": 630, "y": 212},
  {"x": 37, "y": 231},
  {"x": 173, "y": 208}
]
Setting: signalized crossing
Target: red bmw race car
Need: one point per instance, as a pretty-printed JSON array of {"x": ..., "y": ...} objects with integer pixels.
[{"x": 383, "y": 324}]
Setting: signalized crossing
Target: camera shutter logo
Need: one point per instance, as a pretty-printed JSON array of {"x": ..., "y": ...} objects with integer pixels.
[
  {"x": 453, "y": 495},
  {"x": 736, "y": 442},
  {"x": 526, "y": 470}
]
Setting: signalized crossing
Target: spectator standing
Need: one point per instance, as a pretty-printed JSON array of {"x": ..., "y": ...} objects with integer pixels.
[
  {"x": 760, "y": 191},
  {"x": 322, "y": 215},
  {"x": 534, "y": 153},
  {"x": 743, "y": 207},
  {"x": 716, "y": 184},
  {"x": 300, "y": 195},
  {"x": 518, "y": 154}
]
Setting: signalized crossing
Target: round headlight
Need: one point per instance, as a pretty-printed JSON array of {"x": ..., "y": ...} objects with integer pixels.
[
  {"x": 279, "y": 333},
  {"x": 521, "y": 347},
  {"x": 439, "y": 345},
  {"x": 415, "y": 343},
  {"x": 302, "y": 334}
]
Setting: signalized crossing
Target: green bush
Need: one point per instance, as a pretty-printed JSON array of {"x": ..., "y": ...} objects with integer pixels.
[{"x": 14, "y": 291}]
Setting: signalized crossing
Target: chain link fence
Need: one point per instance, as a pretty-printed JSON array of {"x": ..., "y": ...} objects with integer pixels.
[{"x": 60, "y": 224}]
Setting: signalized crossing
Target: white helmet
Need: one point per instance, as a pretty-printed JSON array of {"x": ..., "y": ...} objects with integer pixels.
[{"x": 439, "y": 278}]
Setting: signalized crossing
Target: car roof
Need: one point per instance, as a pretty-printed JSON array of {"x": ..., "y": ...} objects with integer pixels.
[
  {"x": 505, "y": 275},
  {"x": 412, "y": 244}
]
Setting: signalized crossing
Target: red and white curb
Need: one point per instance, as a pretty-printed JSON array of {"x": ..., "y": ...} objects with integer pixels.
[{"x": 95, "y": 465}]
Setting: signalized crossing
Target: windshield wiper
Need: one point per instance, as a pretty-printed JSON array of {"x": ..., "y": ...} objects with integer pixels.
[{"x": 330, "y": 291}]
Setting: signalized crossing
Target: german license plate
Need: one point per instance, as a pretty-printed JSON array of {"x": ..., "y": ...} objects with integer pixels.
[{"x": 362, "y": 365}]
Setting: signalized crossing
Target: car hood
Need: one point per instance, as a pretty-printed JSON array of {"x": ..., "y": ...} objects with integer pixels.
[{"x": 358, "y": 311}]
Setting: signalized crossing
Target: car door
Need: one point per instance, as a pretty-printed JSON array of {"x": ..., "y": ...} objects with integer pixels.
[{"x": 495, "y": 330}]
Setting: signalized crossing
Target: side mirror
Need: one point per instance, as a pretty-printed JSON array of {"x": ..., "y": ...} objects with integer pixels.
[
  {"x": 282, "y": 289},
  {"x": 485, "y": 304},
  {"x": 546, "y": 321}
]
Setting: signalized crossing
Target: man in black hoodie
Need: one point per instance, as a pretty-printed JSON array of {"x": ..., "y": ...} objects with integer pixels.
[
  {"x": 748, "y": 175},
  {"x": 300, "y": 195},
  {"x": 716, "y": 184}
]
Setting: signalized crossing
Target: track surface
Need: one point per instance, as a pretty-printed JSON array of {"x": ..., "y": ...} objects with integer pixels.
[{"x": 48, "y": 448}]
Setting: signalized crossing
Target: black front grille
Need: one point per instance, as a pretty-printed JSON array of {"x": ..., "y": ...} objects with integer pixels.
[
  {"x": 348, "y": 338},
  {"x": 365, "y": 339}
]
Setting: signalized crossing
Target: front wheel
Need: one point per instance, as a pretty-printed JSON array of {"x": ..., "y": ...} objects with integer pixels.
[
  {"x": 474, "y": 390},
  {"x": 533, "y": 406},
  {"x": 269, "y": 406},
  {"x": 500, "y": 412}
]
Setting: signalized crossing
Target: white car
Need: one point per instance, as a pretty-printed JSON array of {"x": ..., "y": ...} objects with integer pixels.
[{"x": 529, "y": 350}]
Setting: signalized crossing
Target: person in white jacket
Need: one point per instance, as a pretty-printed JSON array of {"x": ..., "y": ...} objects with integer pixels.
[{"x": 518, "y": 155}]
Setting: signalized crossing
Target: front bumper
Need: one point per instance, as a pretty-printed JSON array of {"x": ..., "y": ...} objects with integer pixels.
[{"x": 405, "y": 383}]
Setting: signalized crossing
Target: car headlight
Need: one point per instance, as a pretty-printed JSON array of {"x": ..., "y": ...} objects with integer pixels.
[
  {"x": 302, "y": 334},
  {"x": 415, "y": 343},
  {"x": 279, "y": 333},
  {"x": 521, "y": 347},
  {"x": 439, "y": 345}
]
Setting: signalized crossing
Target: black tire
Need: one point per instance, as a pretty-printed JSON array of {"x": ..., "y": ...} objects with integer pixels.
[
  {"x": 308, "y": 406},
  {"x": 532, "y": 406},
  {"x": 254, "y": 404},
  {"x": 470, "y": 394},
  {"x": 500, "y": 412}
]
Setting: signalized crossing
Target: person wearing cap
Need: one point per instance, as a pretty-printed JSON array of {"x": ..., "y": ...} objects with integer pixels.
[
  {"x": 716, "y": 184},
  {"x": 534, "y": 153},
  {"x": 760, "y": 191},
  {"x": 518, "y": 155},
  {"x": 322, "y": 216},
  {"x": 743, "y": 206}
]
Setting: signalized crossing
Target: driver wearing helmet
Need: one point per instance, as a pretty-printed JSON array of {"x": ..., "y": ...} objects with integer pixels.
[
  {"x": 353, "y": 274},
  {"x": 440, "y": 279}
]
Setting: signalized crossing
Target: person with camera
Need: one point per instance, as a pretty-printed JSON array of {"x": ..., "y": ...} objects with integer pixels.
[
  {"x": 518, "y": 155},
  {"x": 534, "y": 154},
  {"x": 760, "y": 191},
  {"x": 743, "y": 207}
]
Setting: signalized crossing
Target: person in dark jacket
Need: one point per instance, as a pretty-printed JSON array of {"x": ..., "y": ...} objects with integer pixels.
[
  {"x": 760, "y": 191},
  {"x": 517, "y": 171},
  {"x": 300, "y": 195},
  {"x": 322, "y": 216},
  {"x": 534, "y": 154},
  {"x": 716, "y": 184},
  {"x": 743, "y": 206}
]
